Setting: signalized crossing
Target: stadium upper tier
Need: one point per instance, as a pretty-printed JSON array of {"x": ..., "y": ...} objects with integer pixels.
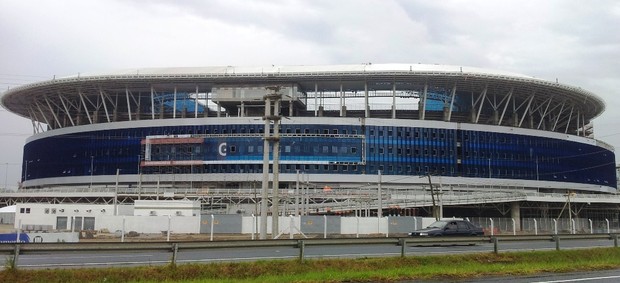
[{"x": 399, "y": 91}]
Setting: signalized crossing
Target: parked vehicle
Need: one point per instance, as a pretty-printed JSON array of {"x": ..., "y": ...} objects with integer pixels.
[{"x": 449, "y": 228}]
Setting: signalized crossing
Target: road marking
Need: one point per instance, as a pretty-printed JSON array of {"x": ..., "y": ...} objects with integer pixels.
[{"x": 580, "y": 279}]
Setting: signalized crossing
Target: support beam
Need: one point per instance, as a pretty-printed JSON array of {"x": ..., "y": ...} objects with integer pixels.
[
  {"x": 558, "y": 118},
  {"x": 570, "y": 116},
  {"x": 128, "y": 103},
  {"x": 452, "y": 96},
  {"x": 42, "y": 113},
  {"x": 64, "y": 105},
  {"x": 152, "y": 103},
  {"x": 544, "y": 114},
  {"x": 481, "y": 99},
  {"x": 366, "y": 101},
  {"x": 90, "y": 120},
  {"x": 316, "y": 99},
  {"x": 174, "y": 104},
  {"x": 578, "y": 123},
  {"x": 341, "y": 103},
  {"x": 507, "y": 100},
  {"x": 53, "y": 113},
  {"x": 105, "y": 106},
  {"x": 196, "y": 103},
  {"x": 515, "y": 213},
  {"x": 422, "y": 103},
  {"x": 394, "y": 99},
  {"x": 527, "y": 109}
]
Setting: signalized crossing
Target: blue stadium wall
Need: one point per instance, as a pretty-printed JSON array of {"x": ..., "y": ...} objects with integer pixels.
[{"x": 317, "y": 148}]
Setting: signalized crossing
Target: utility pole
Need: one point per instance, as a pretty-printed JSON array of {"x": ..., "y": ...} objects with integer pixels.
[
  {"x": 570, "y": 211},
  {"x": 434, "y": 210},
  {"x": 116, "y": 192},
  {"x": 380, "y": 199},
  {"x": 271, "y": 115}
]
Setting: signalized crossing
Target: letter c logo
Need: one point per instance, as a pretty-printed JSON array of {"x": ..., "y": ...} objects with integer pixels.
[{"x": 222, "y": 149}]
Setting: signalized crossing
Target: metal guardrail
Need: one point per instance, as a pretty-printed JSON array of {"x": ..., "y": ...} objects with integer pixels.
[{"x": 15, "y": 250}]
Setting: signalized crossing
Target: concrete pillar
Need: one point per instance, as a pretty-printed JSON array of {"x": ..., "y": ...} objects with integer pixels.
[
  {"x": 515, "y": 213},
  {"x": 446, "y": 112},
  {"x": 366, "y": 101}
]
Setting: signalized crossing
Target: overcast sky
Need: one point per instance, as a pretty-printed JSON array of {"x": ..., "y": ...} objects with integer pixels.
[{"x": 574, "y": 41}]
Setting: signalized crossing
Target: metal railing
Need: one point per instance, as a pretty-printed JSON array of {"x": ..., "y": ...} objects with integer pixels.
[{"x": 14, "y": 250}]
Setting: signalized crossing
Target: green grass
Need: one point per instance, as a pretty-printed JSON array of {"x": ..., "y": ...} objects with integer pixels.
[{"x": 340, "y": 270}]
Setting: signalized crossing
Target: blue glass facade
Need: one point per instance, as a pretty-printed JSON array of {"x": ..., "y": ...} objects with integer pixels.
[{"x": 324, "y": 149}]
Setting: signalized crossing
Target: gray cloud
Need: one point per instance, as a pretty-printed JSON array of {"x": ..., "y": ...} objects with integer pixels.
[{"x": 573, "y": 41}]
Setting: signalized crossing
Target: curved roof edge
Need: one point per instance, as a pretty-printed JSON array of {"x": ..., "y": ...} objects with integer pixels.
[
  {"x": 359, "y": 69},
  {"x": 278, "y": 69}
]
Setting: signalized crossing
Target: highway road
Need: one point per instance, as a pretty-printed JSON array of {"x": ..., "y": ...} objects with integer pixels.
[
  {"x": 133, "y": 258},
  {"x": 598, "y": 276}
]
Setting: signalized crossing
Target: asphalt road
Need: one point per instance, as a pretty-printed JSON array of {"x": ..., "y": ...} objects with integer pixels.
[{"x": 600, "y": 276}]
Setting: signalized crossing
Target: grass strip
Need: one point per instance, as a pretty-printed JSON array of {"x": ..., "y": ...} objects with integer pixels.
[{"x": 451, "y": 267}]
